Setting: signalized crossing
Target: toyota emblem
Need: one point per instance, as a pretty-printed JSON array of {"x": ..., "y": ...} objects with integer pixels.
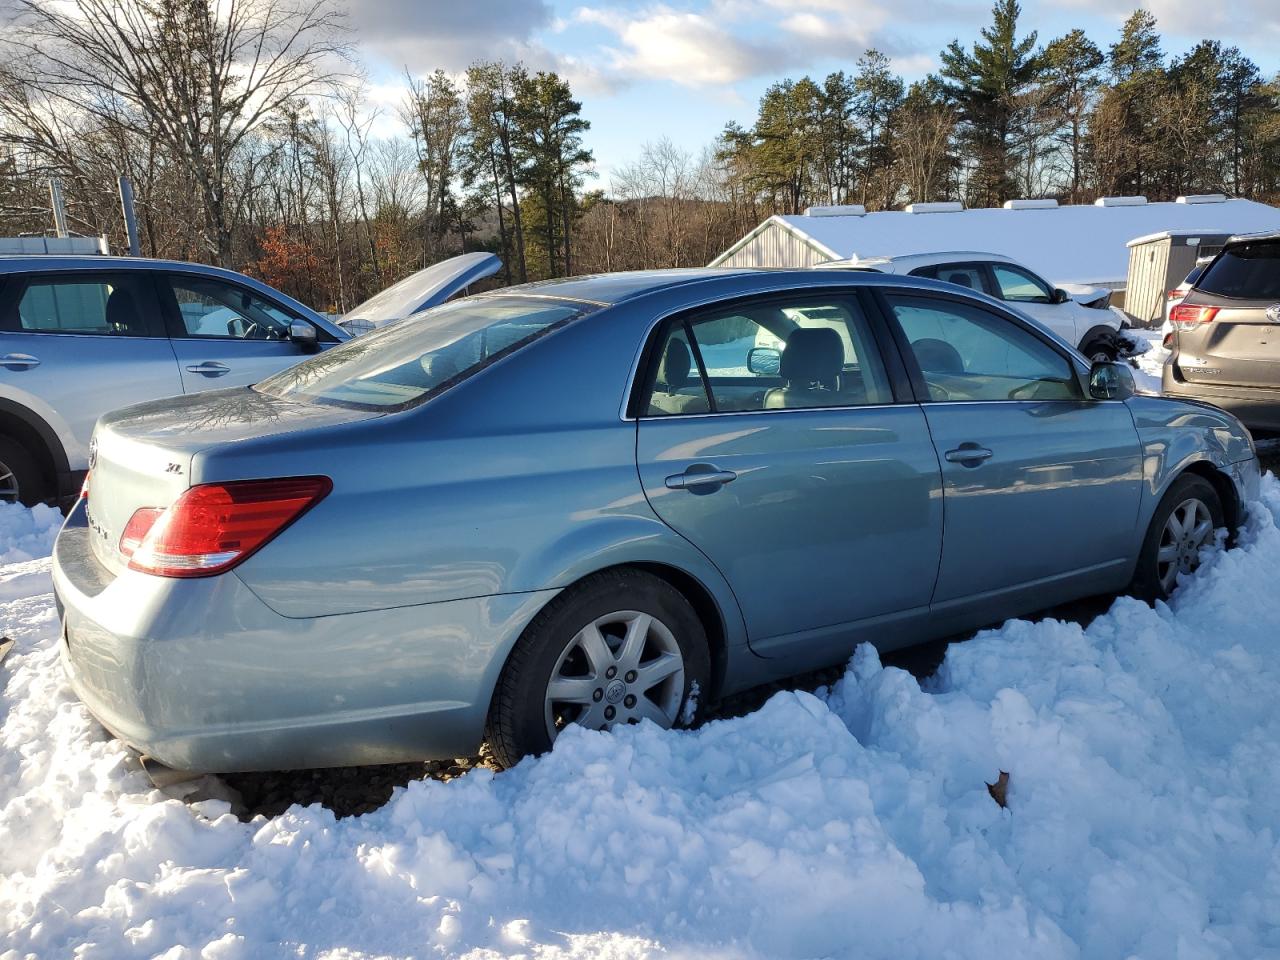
[
  {"x": 1273, "y": 313},
  {"x": 93, "y": 453}
]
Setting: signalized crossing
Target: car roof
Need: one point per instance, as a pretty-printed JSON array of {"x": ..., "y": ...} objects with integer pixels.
[
  {"x": 916, "y": 260},
  {"x": 1252, "y": 237},
  {"x": 22, "y": 263}
]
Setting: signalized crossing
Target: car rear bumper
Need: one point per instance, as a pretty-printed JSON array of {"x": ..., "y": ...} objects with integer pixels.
[
  {"x": 201, "y": 675},
  {"x": 1258, "y": 408}
]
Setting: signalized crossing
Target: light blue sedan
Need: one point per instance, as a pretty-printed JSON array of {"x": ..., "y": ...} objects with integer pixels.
[{"x": 608, "y": 500}]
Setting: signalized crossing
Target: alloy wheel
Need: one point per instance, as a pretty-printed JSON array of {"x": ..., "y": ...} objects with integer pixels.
[
  {"x": 9, "y": 491},
  {"x": 1189, "y": 527},
  {"x": 623, "y": 667}
]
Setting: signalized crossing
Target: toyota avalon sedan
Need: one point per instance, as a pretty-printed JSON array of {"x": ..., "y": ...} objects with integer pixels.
[{"x": 606, "y": 500}]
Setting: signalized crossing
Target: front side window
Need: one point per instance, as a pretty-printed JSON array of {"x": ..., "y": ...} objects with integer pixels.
[
  {"x": 968, "y": 354},
  {"x": 403, "y": 364},
  {"x": 1018, "y": 286},
  {"x": 211, "y": 308},
  {"x": 770, "y": 355},
  {"x": 92, "y": 306}
]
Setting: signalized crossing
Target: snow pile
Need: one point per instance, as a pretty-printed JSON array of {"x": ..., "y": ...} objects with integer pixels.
[
  {"x": 27, "y": 534},
  {"x": 1144, "y": 755},
  {"x": 1149, "y": 372}
]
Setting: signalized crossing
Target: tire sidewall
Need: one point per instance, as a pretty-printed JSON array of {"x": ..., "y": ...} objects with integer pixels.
[
  {"x": 1146, "y": 584},
  {"x": 524, "y": 695}
]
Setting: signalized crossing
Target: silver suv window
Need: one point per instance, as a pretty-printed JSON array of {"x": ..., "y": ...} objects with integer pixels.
[
  {"x": 410, "y": 361},
  {"x": 101, "y": 305},
  {"x": 1249, "y": 271}
]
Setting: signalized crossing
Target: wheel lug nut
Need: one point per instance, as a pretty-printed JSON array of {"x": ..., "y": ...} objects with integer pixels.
[
  {"x": 631, "y": 676},
  {"x": 609, "y": 713},
  {"x": 598, "y": 695},
  {"x": 629, "y": 701},
  {"x": 611, "y": 672}
]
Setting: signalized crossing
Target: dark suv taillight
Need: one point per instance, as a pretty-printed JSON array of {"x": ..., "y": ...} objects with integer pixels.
[{"x": 214, "y": 526}]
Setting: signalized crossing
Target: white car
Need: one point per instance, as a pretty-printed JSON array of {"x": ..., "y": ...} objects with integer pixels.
[{"x": 1080, "y": 315}]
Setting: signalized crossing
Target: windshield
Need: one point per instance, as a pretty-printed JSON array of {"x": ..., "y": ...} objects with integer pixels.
[
  {"x": 1249, "y": 271},
  {"x": 406, "y": 363}
]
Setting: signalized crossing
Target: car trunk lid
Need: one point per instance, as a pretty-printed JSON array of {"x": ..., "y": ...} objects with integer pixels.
[{"x": 144, "y": 456}]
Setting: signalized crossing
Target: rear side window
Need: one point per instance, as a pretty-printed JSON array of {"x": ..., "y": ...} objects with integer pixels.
[
  {"x": 769, "y": 355},
  {"x": 408, "y": 362},
  {"x": 92, "y": 306},
  {"x": 1250, "y": 271},
  {"x": 968, "y": 275}
]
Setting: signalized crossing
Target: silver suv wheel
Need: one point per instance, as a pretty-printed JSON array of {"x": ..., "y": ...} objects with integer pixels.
[{"x": 9, "y": 489}]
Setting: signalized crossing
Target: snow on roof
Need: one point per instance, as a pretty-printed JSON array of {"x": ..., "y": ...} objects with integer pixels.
[{"x": 1067, "y": 244}]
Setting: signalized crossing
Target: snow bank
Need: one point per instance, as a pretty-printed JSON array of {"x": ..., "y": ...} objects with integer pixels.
[
  {"x": 27, "y": 534},
  {"x": 1144, "y": 755}
]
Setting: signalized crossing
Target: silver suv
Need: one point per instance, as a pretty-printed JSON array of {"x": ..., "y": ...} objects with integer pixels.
[
  {"x": 1226, "y": 333},
  {"x": 81, "y": 336}
]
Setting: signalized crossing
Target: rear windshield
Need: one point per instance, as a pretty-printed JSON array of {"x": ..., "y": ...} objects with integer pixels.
[
  {"x": 410, "y": 361},
  {"x": 1250, "y": 271}
]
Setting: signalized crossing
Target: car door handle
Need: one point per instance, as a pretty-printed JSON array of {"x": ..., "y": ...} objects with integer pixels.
[
  {"x": 19, "y": 361},
  {"x": 968, "y": 454},
  {"x": 210, "y": 368},
  {"x": 700, "y": 479}
]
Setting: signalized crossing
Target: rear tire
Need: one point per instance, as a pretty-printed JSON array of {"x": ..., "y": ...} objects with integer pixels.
[
  {"x": 1175, "y": 536},
  {"x": 617, "y": 647},
  {"x": 21, "y": 480}
]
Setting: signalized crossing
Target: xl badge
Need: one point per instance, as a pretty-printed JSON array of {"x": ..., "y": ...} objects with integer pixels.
[
  {"x": 93, "y": 453},
  {"x": 1273, "y": 313}
]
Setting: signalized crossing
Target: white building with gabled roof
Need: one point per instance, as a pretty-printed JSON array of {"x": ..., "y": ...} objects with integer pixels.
[{"x": 1067, "y": 244}]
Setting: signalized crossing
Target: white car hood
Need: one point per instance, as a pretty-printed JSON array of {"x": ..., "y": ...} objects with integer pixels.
[{"x": 420, "y": 291}]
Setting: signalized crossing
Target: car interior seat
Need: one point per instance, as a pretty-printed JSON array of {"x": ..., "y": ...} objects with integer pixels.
[
  {"x": 959, "y": 279},
  {"x": 811, "y": 366},
  {"x": 121, "y": 313},
  {"x": 937, "y": 356},
  {"x": 671, "y": 390}
]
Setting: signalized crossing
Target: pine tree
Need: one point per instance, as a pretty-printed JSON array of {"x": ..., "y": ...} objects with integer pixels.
[
  {"x": 1072, "y": 65},
  {"x": 986, "y": 85}
]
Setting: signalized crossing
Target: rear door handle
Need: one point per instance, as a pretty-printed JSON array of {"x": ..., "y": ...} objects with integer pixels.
[
  {"x": 19, "y": 361},
  {"x": 968, "y": 454},
  {"x": 693, "y": 479},
  {"x": 210, "y": 368}
]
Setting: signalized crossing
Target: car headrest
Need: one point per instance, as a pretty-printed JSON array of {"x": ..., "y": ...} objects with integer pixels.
[
  {"x": 676, "y": 363},
  {"x": 937, "y": 356},
  {"x": 122, "y": 311},
  {"x": 813, "y": 354},
  {"x": 960, "y": 279}
]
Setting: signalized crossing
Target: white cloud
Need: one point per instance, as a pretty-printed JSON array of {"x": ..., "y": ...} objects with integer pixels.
[
  {"x": 726, "y": 41},
  {"x": 1243, "y": 20},
  {"x": 452, "y": 34}
]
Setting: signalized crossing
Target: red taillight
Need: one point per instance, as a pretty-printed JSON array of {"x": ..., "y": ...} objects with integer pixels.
[
  {"x": 1184, "y": 316},
  {"x": 1174, "y": 294},
  {"x": 1167, "y": 342},
  {"x": 213, "y": 527},
  {"x": 84, "y": 487}
]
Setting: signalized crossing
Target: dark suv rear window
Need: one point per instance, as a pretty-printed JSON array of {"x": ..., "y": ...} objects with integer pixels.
[{"x": 1250, "y": 271}]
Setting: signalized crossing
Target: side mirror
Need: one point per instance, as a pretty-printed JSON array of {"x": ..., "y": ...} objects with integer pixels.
[
  {"x": 764, "y": 361},
  {"x": 1060, "y": 295},
  {"x": 1111, "y": 381},
  {"x": 304, "y": 335}
]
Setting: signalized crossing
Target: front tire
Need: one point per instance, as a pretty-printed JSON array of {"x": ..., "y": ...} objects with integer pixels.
[
  {"x": 1183, "y": 523},
  {"x": 618, "y": 647},
  {"x": 1100, "y": 352}
]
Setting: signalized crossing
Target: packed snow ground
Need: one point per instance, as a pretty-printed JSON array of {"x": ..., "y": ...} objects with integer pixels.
[{"x": 1144, "y": 755}]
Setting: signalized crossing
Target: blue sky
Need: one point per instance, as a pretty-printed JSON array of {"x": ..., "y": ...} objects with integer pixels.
[{"x": 683, "y": 68}]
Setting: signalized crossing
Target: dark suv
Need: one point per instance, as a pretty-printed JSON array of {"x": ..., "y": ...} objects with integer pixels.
[{"x": 1226, "y": 333}]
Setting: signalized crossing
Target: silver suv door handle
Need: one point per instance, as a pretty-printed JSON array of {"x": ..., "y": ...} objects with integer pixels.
[
  {"x": 693, "y": 479},
  {"x": 210, "y": 368},
  {"x": 968, "y": 454},
  {"x": 19, "y": 361}
]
